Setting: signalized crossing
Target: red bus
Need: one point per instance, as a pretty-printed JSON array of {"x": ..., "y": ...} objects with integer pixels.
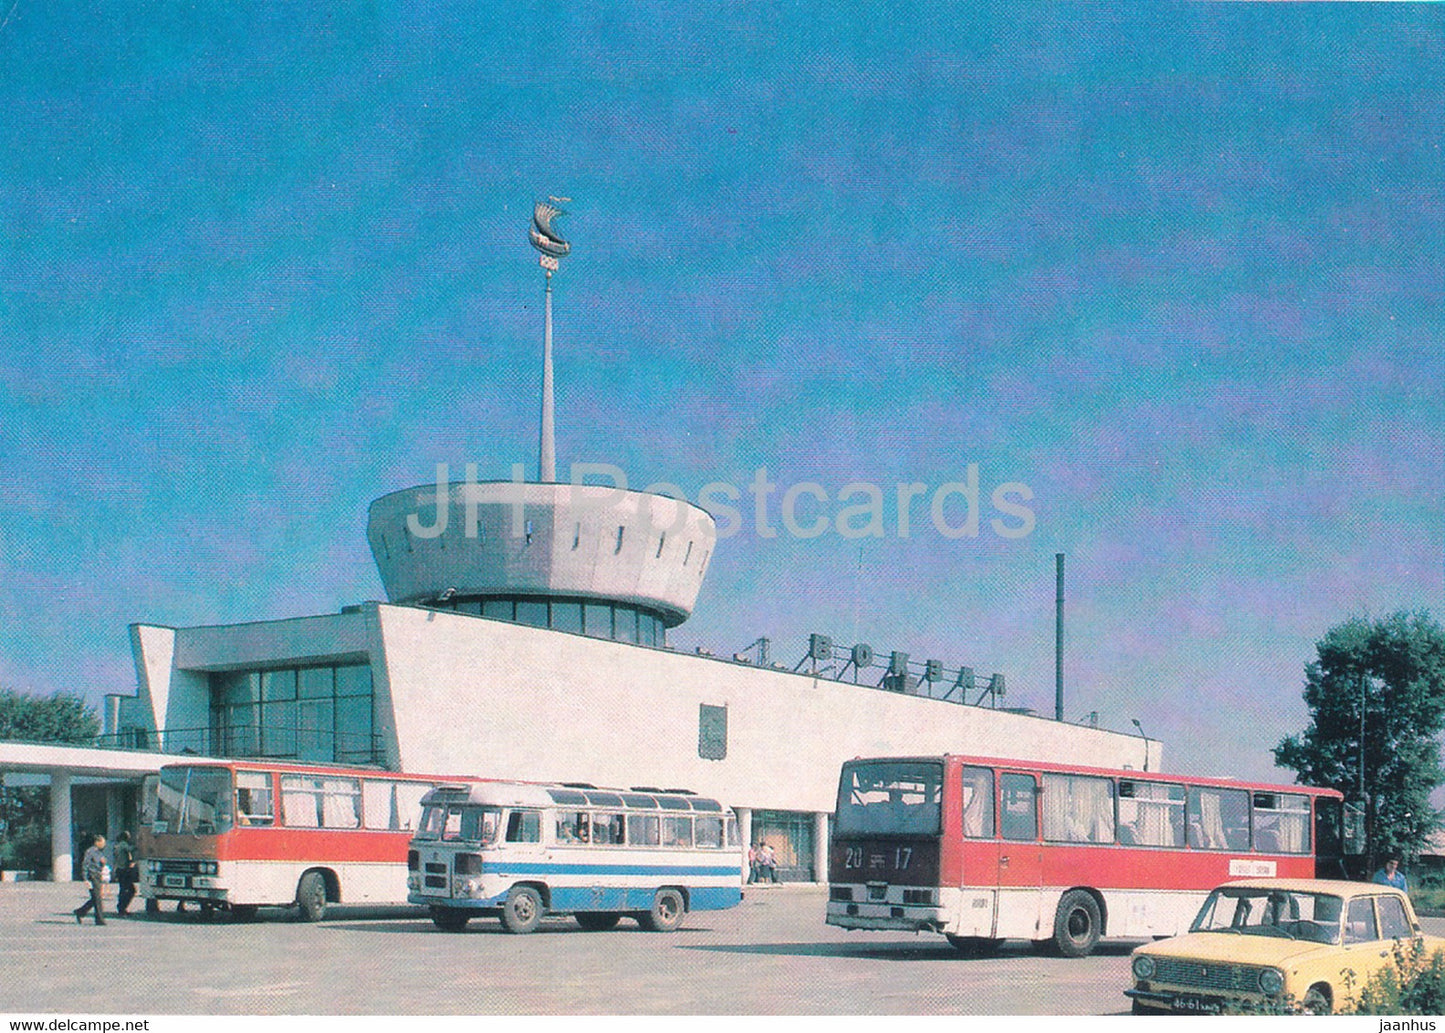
[
  {"x": 983, "y": 850},
  {"x": 237, "y": 835}
]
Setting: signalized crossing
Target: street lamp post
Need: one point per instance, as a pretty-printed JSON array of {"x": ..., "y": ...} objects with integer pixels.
[{"x": 1137, "y": 725}]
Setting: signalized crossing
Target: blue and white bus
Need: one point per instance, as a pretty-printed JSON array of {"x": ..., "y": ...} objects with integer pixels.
[{"x": 522, "y": 850}]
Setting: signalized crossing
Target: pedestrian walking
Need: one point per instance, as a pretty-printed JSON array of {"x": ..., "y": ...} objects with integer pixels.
[
  {"x": 768, "y": 864},
  {"x": 127, "y": 872},
  {"x": 94, "y": 870}
]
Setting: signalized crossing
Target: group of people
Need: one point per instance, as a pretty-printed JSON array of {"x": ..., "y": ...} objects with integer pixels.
[
  {"x": 762, "y": 863},
  {"x": 95, "y": 869}
]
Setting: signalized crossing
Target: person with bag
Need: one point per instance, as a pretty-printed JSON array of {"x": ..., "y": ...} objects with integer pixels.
[
  {"x": 127, "y": 872},
  {"x": 94, "y": 870}
]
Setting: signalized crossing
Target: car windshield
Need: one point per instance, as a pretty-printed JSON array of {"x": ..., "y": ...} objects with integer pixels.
[
  {"x": 1290, "y": 914},
  {"x": 460, "y": 823}
]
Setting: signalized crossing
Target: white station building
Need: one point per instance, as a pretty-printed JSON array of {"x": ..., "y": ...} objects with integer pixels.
[
  {"x": 525, "y": 636},
  {"x": 542, "y": 654}
]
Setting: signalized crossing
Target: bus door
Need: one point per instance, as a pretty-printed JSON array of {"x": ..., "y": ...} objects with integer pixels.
[
  {"x": 978, "y": 852},
  {"x": 1020, "y": 857}
]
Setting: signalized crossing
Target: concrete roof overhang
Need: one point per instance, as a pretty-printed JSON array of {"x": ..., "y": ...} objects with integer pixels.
[{"x": 78, "y": 761}]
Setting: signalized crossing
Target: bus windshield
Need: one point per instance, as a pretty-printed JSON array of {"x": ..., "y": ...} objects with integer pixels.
[
  {"x": 460, "y": 823},
  {"x": 898, "y": 797},
  {"x": 1249, "y": 911},
  {"x": 193, "y": 800}
]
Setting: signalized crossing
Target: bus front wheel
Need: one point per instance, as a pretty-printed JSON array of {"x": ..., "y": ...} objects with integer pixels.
[
  {"x": 449, "y": 920},
  {"x": 311, "y": 897},
  {"x": 667, "y": 912},
  {"x": 1076, "y": 926},
  {"x": 522, "y": 912}
]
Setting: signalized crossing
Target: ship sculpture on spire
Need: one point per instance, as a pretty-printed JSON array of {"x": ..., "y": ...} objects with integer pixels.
[{"x": 545, "y": 237}]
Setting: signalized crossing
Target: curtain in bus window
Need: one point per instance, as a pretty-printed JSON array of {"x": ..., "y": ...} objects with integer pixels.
[
  {"x": 1281, "y": 823},
  {"x": 408, "y": 804},
  {"x": 978, "y": 803},
  {"x": 299, "y": 804},
  {"x": 1151, "y": 814},
  {"x": 1219, "y": 819},
  {"x": 1210, "y": 828},
  {"x": 1078, "y": 809},
  {"x": 394, "y": 806},
  {"x": 341, "y": 803}
]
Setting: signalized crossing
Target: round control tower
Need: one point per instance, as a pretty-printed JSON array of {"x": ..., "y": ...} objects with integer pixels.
[{"x": 596, "y": 560}]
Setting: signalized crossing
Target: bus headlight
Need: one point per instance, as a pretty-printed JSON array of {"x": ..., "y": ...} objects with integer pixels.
[
  {"x": 413, "y": 882},
  {"x": 1143, "y": 966},
  {"x": 208, "y": 868},
  {"x": 1271, "y": 981},
  {"x": 468, "y": 887}
]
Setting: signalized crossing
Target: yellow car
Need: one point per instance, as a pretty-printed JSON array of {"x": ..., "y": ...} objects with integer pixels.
[{"x": 1301, "y": 944}]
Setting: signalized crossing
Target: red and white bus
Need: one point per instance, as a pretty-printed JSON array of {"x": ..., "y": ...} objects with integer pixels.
[
  {"x": 983, "y": 850},
  {"x": 238, "y": 835}
]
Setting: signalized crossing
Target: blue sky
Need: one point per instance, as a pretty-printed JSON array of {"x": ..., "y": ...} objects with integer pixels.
[{"x": 1175, "y": 268}]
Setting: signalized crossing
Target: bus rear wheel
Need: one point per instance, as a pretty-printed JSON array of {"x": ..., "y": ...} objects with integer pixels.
[
  {"x": 449, "y": 920},
  {"x": 522, "y": 911},
  {"x": 1077, "y": 924},
  {"x": 596, "y": 921},
  {"x": 668, "y": 909},
  {"x": 311, "y": 897}
]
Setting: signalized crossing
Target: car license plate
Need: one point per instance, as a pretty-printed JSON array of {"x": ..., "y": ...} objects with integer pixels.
[
  {"x": 174, "y": 881},
  {"x": 1193, "y": 1005}
]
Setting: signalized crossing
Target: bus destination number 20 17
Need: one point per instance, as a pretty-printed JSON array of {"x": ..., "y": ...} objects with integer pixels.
[{"x": 854, "y": 856}]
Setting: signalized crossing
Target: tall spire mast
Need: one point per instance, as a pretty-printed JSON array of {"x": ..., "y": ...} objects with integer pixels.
[
  {"x": 547, "y": 449},
  {"x": 549, "y": 242}
]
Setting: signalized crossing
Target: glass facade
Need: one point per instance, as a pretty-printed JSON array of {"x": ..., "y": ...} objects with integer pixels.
[
  {"x": 321, "y": 713},
  {"x": 790, "y": 834},
  {"x": 617, "y": 621}
]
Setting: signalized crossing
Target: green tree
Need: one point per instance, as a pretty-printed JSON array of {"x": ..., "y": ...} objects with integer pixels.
[
  {"x": 62, "y": 717},
  {"x": 1376, "y": 697},
  {"x": 25, "y": 810}
]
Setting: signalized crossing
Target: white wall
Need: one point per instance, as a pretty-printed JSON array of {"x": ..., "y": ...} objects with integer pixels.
[{"x": 489, "y": 698}]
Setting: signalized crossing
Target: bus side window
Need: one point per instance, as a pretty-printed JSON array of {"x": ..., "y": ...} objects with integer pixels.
[
  {"x": 607, "y": 829},
  {"x": 676, "y": 831},
  {"x": 1019, "y": 810},
  {"x": 524, "y": 827},
  {"x": 571, "y": 827},
  {"x": 709, "y": 831},
  {"x": 253, "y": 798},
  {"x": 642, "y": 830}
]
